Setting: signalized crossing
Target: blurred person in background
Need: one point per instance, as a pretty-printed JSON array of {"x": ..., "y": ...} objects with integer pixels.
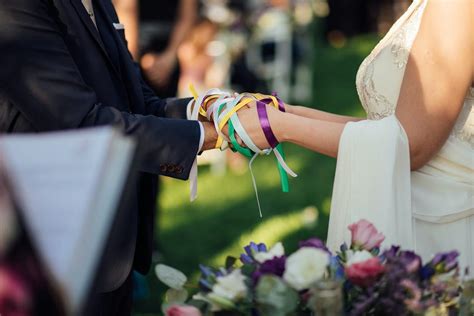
[
  {"x": 195, "y": 59},
  {"x": 348, "y": 18},
  {"x": 156, "y": 29}
]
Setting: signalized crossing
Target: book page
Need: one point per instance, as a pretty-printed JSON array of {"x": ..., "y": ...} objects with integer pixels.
[{"x": 56, "y": 177}]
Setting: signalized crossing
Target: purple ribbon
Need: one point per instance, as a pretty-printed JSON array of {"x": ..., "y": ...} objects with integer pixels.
[
  {"x": 281, "y": 106},
  {"x": 265, "y": 124}
]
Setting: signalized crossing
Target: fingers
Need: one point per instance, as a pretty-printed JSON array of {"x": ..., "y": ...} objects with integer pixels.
[
  {"x": 240, "y": 141},
  {"x": 251, "y": 123}
]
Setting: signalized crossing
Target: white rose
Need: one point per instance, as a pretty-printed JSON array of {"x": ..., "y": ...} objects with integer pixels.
[
  {"x": 231, "y": 286},
  {"x": 358, "y": 256},
  {"x": 305, "y": 267},
  {"x": 276, "y": 251}
]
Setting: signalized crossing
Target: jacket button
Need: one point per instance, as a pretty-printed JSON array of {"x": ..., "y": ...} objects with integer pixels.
[
  {"x": 179, "y": 170},
  {"x": 172, "y": 169},
  {"x": 163, "y": 168}
]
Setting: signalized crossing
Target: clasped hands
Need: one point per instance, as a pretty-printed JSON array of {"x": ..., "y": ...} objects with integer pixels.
[{"x": 249, "y": 118}]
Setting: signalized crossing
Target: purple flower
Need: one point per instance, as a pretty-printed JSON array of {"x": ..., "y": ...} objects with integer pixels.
[
  {"x": 451, "y": 261},
  {"x": 253, "y": 248},
  {"x": 314, "y": 243},
  {"x": 337, "y": 268},
  {"x": 343, "y": 248},
  {"x": 392, "y": 252},
  {"x": 206, "y": 271},
  {"x": 246, "y": 259},
  {"x": 250, "y": 250},
  {"x": 414, "y": 295},
  {"x": 207, "y": 274},
  {"x": 427, "y": 272},
  {"x": 409, "y": 260},
  {"x": 275, "y": 266},
  {"x": 443, "y": 262},
  {"x": 205, "y": 285}
]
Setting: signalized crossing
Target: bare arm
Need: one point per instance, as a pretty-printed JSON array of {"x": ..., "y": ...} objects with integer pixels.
[
  {"x": 159, "y": 67},
  {"x": 319, "y": 115},
  {"x": 437, "y": 77},
  {"x": 317, "y": 135},
  {"x": 127, "y": 11},
  {"x": 187, "y": 15}
]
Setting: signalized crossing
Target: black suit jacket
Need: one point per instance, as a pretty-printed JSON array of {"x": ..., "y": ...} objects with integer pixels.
[{"x": 59, "y": 72}]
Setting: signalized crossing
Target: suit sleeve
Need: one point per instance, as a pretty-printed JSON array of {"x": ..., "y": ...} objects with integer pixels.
[
  {"x": 41, "y": 78},
  {"x": 170, "y": 107}
]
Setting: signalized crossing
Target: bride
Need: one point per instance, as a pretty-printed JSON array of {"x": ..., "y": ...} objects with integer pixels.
[{"x": 408, "y": 168}]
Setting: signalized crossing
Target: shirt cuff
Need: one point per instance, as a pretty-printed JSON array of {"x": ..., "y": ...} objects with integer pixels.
[
  {"x": 201, "y": 138},
  {"x": 201, "y": 127}
]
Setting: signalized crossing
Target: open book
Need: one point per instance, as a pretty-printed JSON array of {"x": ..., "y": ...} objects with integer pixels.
[{"x": 68, "y": 185}]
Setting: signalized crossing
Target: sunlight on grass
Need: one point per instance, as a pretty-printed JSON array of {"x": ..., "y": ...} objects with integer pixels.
[
  {"x": 217, "y": 191},
  {"x": 269, "y": 232},
  {"x": 327, "y": 206}
]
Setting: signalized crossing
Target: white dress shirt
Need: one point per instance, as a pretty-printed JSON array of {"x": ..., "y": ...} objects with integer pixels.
[{"x": 90, "y": 9}]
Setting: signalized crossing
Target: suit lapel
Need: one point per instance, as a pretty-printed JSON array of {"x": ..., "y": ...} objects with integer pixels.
[
  {"x": 87, "y": 21},
  {"x": 85, "y": 18},
  {"x": 129, "y": 75}
]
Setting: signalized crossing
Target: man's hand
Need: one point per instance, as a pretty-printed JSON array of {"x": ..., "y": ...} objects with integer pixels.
[
  {"x": 210, "y": 136},
  {"x": 249, "y": 119}
]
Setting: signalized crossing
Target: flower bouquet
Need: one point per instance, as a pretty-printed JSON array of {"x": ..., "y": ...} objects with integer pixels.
[{"x": 358, "y": 280}]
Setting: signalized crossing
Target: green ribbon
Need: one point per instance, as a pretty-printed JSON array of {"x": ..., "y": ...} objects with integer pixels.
[{"x": 285, "y": 185}]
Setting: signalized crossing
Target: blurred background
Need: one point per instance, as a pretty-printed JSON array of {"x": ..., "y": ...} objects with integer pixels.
[{"x": 308, "y": 51}]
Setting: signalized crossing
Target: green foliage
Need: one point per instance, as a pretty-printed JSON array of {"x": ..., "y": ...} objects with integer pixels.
[{"x": 275, "y": 297}]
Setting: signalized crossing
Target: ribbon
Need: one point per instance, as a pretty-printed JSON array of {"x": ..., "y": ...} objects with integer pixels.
[
  {"x": 223, "y": 111},
  {"x": 193, "y": 114},
  {"x": 252, "y": 151}
]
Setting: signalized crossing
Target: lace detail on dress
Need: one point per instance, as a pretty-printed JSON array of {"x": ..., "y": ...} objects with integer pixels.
[
  {"x": 369, "y": 95},
  {"x": 400, "y": 38},
  {"x": 399, "y": 50},
  {"x": 471, "y": 94},
  {"x": 464, "y": 127},
  {"x": 377, "y": 90}
]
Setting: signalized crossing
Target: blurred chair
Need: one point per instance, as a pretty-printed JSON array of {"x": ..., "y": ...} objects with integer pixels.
[{"x": 270, "y": 50}]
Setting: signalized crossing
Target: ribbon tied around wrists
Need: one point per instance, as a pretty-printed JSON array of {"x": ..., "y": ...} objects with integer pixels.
[{"x": 223, "y": 112}]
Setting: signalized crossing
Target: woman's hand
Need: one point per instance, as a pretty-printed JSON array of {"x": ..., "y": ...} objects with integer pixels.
[{"x": 249, "y": 118}]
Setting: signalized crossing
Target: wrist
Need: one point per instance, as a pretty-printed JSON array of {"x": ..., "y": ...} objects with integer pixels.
[
  {"x": 210, "y": 136},
  {"x": 281, "y": 130}
]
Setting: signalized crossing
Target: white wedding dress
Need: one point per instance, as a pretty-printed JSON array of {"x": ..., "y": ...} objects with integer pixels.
[{"x": 428, "y": 210}]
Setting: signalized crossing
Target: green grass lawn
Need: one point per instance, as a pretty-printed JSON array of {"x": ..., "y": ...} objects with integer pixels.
[{"x": 225, "y": 216}]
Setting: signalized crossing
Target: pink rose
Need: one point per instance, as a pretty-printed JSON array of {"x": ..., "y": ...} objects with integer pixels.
[
  {"x": 365, "y": 235},
  {"x": 365, "y": 273},
  {"x": 177, "y": 310}
]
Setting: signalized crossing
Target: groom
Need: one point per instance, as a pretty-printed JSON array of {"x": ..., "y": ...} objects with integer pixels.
[{"x": 65, "y": 65}]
